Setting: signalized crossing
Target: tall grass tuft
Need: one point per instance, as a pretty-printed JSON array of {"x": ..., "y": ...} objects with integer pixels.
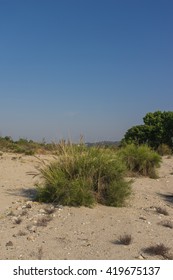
[
  {"x": 84, "y": 176},
  {"x": 164, "y": 150},
  {"x": 140, "y": 160}
]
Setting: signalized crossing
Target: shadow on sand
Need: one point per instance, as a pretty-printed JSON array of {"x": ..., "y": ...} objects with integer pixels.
[
  {"x": 167, "y": 197},
  {"x": 29, "y": 193}
]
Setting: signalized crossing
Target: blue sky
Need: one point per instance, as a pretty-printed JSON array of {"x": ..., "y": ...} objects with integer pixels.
[{"x": 90, "y": 67}]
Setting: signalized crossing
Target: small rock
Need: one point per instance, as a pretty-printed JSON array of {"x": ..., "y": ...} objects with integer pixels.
[
  {"x": 29, "y": 202},
  {"x": 140, "y": 257},
  {"x": 26, "y": 206},
  {"x": 60, "y": 207},
  {"x": 30, "y": 238},
  {"x": 23, "y": 212},
  {"x": 42, "y": 211},
  {"x": 10, "y": 213},
  {"x": 32, "y": 228},
  {"x": 13, "y": 158},
  {"x": 142, "y": 218},
  {"x": 17, "y": 220}
]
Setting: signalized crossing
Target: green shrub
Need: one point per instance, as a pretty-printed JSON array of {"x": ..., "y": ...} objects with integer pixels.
[
  {"x": 140, "y": 159},
  {"x": 29, "y": 152},
  {"x": 157, "y": 129},
  {"x": 164, "y": 150},
  {"x": 19, "y": 150},
  {"x": 84, "y": 176}
]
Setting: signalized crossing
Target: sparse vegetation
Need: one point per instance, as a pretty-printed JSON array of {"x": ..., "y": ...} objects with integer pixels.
[
  {"x": 164, "y": 150},
  {"x": 167, "y": 224},
  {"x": 84, "y": 176},
  {"x": 49, "y": 210},
  {"x": 159, "y": 249},
  {"x": 140, "y": 160},
  {"x": 43, "y": 221},
  {"x": 162, "y": 211},
  {"x": 24, "y": 146},
  {"x": 125, "y": 239}
]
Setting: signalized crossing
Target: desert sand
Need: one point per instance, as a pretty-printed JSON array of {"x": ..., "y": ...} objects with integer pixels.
[{"x": 29, "y": 230}]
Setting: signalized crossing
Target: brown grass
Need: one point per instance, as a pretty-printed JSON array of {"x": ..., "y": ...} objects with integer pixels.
[
  {"x": 159, "y": 250},
  {"x": 21, "y": 233},
  {"x": 162, "y": 211},
  {"x": 125, "y": 239},
  {"x": 167, "y": 224},
  {"x": 42, "y": 222}
]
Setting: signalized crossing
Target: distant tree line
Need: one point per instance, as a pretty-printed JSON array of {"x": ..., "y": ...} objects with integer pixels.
[{"x": 157, "y": 130}]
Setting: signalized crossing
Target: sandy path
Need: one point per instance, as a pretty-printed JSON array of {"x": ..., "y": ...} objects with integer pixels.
[{"x": 81, "y": 233}]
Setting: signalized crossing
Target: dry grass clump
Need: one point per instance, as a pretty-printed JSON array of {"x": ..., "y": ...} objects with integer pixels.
[
  {"x": 167, "y": 224},
  {"x": 159, "y": 250},
  {"x": 164, "y": 150},
  {"x": 140, "y": 160},
  {"x": 162, "y": 211},
  {"x": 125, "y": 239},
  {"x": 43, "y": 221},
  {"x": 21, "y": 233},
  {"x": 24, "y": 212},
  {"x": 11, "y": 213},
  {"x": 49, "y": 210}
]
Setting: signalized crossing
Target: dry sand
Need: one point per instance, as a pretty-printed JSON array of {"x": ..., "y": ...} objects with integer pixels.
[{"x": 81, "y": 233}]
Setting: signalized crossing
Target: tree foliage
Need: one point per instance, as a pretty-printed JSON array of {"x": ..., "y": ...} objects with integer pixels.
[{"x": 156, "y": 130}]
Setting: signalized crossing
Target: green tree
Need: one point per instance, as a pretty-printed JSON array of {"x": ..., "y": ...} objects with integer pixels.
[{"x": 156, "y": 130}]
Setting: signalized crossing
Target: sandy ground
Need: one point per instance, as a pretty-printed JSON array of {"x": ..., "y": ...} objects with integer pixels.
[{"x": 28, "y": 231}]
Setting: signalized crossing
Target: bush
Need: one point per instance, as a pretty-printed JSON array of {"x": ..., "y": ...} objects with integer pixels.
[
  {"x": 157, "y": 129},
  {"x": 84, "y": 176},
  {"x": 159, "y": 249},
  {"x": 164, "y": 150},
  {"x": 140, "y": 159},
  {"x": 125, "y": 239}
]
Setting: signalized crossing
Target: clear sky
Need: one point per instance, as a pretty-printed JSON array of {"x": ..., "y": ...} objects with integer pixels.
[{"x": 90, "y": 67}]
